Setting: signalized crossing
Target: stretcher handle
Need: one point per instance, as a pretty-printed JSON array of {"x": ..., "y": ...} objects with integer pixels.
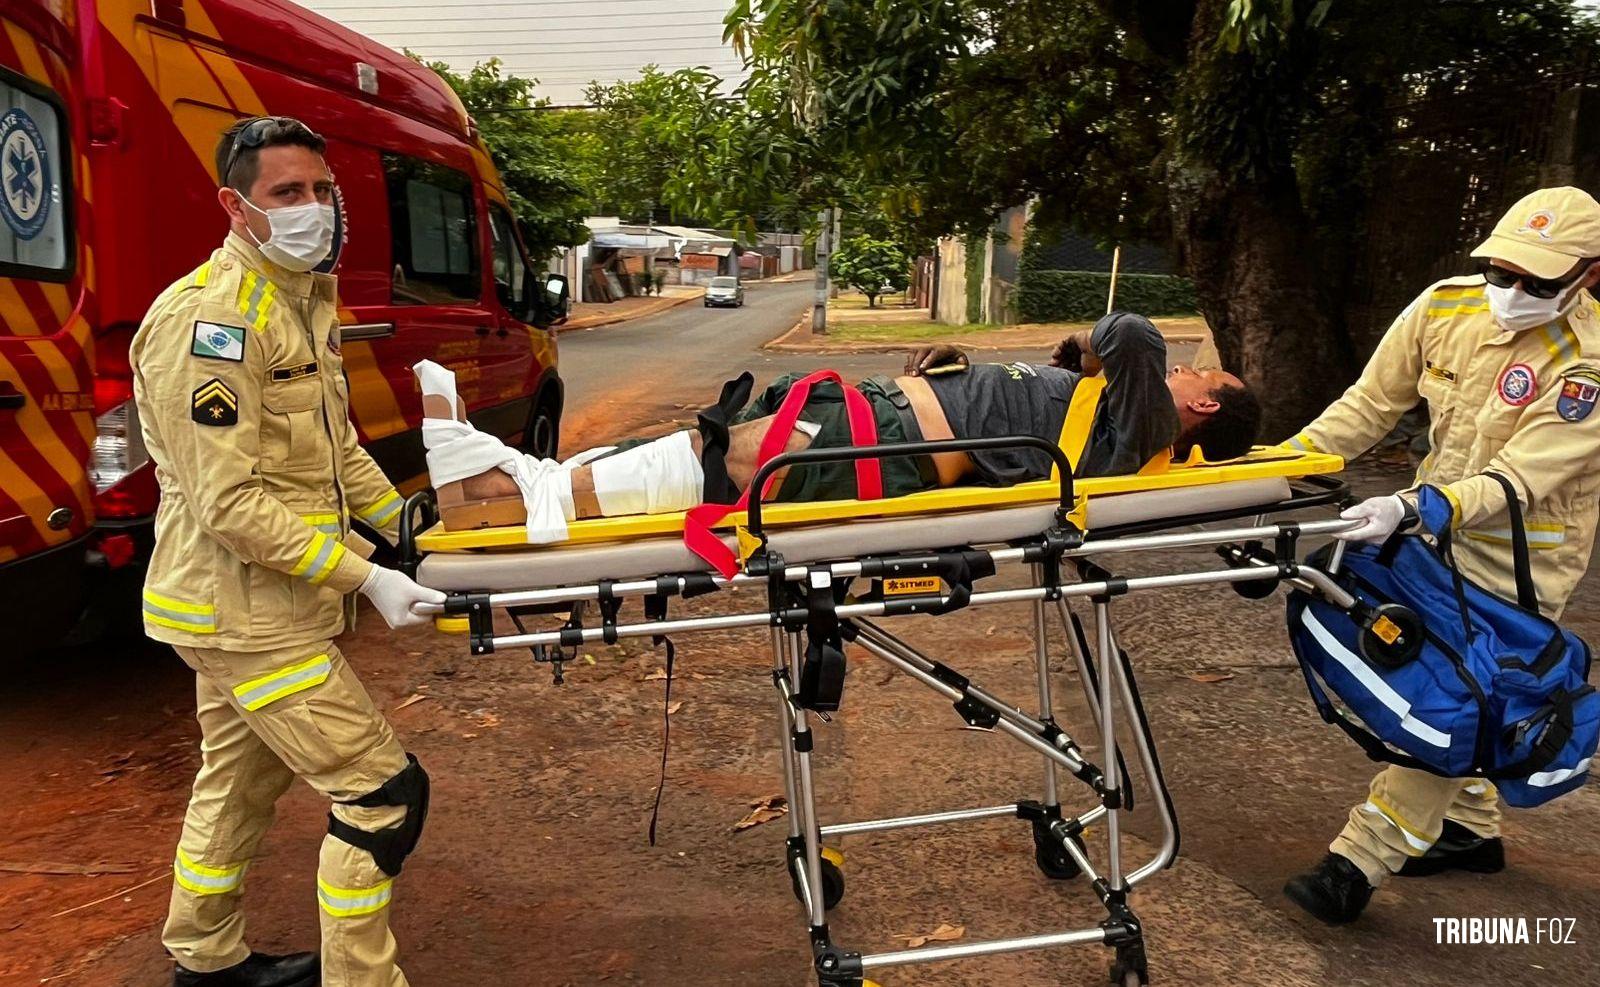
[
  {"x": 420, "y": 503},
  {"x": 846, "y": 454}
]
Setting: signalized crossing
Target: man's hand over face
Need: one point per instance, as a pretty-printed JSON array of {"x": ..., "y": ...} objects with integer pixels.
[{"x": 934, "y": 360}]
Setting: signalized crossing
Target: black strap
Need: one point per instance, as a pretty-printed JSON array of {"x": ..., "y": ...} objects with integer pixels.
[
  {"x": 666, "y": 737},
  {"x": 714, "y": 423},
  {"x": 1521, "y": 563},
  {"x": 1550, "y": 744}
]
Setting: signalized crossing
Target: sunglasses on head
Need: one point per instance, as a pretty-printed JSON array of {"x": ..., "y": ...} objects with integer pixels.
[
  {"x": 1501, "y": 277},
  {"x": 254, "y": 134}
]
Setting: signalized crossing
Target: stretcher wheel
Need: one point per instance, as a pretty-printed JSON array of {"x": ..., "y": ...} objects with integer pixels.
[
  {"x": 832, "y": 884},
  {"x": 1392, "y": 637},
  {"x": 1053, "y": 860}
]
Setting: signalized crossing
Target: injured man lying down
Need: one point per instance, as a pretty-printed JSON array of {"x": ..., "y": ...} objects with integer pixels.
[{"x": 1143, "y": 411}]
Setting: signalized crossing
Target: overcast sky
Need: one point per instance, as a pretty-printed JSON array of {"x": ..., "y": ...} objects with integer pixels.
[{"x": 562, "y": 43}]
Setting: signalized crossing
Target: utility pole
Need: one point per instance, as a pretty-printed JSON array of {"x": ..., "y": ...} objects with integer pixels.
[
  {"x": 833, "y": 284},
  {"x": 819, "y": 304}
]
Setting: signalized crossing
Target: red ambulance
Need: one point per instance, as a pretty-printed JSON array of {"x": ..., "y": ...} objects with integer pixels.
[{"x": 109, "y": 114}]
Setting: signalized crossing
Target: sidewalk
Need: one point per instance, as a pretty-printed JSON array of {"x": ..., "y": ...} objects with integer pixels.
[
  {"x": 895, "y": 331},
  {"x": 592, "y": 315}
]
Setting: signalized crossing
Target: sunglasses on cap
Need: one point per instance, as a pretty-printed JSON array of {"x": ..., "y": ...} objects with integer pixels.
[
  {"x": 1501, "y": 277},
  {"x": 254, "y": 134}
]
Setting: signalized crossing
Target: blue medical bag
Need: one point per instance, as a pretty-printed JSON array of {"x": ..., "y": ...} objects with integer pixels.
[{"x": 1444, "y": 675}]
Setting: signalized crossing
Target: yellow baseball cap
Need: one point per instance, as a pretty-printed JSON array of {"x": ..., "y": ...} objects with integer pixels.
[{"x": 1547, "y": 232}]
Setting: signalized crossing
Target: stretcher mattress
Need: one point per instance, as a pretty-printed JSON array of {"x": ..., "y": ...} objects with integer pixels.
[{"x": 500, "y": 559}]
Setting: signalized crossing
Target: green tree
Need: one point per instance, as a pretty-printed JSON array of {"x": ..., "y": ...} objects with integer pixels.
[
  {"x": 872, "y": 267},
  {"x": 1248, "y": 132},
  {"x": 541, "y": 157}
]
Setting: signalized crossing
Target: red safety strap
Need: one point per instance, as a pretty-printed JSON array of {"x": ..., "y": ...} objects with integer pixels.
[{"x": 697, "y": 524}]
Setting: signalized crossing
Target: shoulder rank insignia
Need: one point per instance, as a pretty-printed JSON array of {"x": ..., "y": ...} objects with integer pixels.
[
  {"x": 1580, "y": 389},
  {"x": 218, "y": 342},
  {"x": 215, "y": 404}
]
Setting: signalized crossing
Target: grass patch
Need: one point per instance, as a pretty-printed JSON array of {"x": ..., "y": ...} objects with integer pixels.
[
  {"x": 850, "y": 299},
  {"x": 897, "y": 332}
]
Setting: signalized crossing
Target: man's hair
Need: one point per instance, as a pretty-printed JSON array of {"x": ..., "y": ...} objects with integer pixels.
[
  {"x": 238, "y": 167},
  {"x": 1229, "y": 431}
]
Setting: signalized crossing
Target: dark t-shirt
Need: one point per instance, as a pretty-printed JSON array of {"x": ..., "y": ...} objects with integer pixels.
[{"x": 1135, "y": 419}]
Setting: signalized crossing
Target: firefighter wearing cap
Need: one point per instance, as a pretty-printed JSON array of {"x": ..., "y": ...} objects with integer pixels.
[
  {"x": 242, "y": 400},
  {"x": 1509, "y": 364}
]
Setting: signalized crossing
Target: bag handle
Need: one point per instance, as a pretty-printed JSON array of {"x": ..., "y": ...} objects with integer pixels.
[
  {"x": 1549, "y": 746},
  {"x": 1521, "y": 564}
]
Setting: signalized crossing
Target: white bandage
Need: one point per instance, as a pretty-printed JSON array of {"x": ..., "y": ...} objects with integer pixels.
[
  {"x": 457, "y": 451},
  {"x": 811, "y": 429},
  {"x": 653, "y": 478}
]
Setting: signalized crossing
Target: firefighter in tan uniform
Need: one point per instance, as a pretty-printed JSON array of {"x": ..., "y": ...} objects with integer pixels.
[
  {"x": 243, "y": 401},
  {"x": 1509, "y": 365}
]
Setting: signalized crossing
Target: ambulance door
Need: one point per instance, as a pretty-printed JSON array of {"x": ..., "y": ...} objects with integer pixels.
[{"x": 47, "y": 427}]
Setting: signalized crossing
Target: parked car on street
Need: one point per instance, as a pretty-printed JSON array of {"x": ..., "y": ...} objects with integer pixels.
[
  {"x": 725, "y": 293},
  {"x": 128, "y": 98}
]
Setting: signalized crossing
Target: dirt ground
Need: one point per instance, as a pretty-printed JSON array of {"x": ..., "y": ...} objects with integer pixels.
[{"x": 535, "y": 869}]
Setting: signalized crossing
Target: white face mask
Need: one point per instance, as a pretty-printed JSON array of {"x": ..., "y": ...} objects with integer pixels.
[
  {"x": 302, "y": 236},
  {"x": 1516, "y": 310}
]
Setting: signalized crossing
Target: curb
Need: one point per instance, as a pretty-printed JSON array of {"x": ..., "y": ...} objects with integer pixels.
[
  {"x": 797, "y": 340},
  {"x": 595, "y": 322}
]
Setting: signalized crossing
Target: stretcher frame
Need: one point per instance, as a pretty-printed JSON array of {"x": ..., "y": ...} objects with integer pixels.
[{"x": 796, "y": 594}]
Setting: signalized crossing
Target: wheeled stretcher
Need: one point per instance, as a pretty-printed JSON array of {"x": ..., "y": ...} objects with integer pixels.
[{"x": 834, "y": 571}]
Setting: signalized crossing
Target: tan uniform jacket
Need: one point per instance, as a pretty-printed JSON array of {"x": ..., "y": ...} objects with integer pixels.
[
  {"x": 244, "y": 407},
  {"x": 1521, "y": 404}
]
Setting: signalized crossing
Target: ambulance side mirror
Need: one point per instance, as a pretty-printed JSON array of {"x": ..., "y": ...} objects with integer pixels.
[{"x": 548, "y": 307}]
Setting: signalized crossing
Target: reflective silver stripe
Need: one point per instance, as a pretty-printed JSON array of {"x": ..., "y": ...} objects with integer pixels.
[
  {"x": 313, "y": 569},
  {"x": 1412, "y": 840},
  {"x": 350, "y": 902},
  {"x": 380, "y": 513},
  {"x": 1544, "y": 779},
  {"x": 259, "y": 692},
  {"x": 201, "y": 879},
  {"x": 1380, "y": 690},
  {"x": 178, "y": 616}
]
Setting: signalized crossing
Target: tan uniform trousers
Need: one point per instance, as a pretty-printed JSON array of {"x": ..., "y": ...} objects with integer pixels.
[
  {"x": 1406, "y": 809},
  {"x": 266, "y": 718}
]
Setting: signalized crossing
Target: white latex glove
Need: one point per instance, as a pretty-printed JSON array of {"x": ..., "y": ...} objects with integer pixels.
[
  {"x": 1381, "y": 516},
  {"x": 395, "y": 595}
]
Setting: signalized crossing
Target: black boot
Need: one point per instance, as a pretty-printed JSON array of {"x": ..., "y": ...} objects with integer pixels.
[
  {"x": 1458, "y": 848},
  {"x": 1335, "y": 892},
  {"x": 258, "y": 970}
]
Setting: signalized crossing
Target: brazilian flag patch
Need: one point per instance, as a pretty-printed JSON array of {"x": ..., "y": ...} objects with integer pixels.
[{"x": 215, "y": 404}]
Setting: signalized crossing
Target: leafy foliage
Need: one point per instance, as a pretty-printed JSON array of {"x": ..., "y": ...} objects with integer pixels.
[
  {"x": 540, "y": 160},
  {"x": 872, "y": 267},
  {"x": 1080, "y": 296}
]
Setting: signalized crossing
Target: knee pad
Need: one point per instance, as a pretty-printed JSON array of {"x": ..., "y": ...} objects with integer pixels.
[{"x": 390, "y": 847}]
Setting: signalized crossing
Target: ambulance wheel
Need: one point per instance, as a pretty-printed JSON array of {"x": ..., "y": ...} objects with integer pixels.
[
  {"x": 542, "y": 437},
  {"x": 1393, "y": 638},
  {"x": 832, "y": 884},
  {"x": 1053, "y": 859}
]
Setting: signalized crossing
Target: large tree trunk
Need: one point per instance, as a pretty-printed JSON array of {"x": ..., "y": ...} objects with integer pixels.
[{"x": 1252, "y": 256}]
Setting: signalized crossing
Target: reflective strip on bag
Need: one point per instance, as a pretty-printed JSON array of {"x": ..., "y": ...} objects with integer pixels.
[
  {"x": 196, "y": 618},
  {"x": 1541, "y": 537},
  {"x": 320, "y": 559},
  {"x": 256, "y": 693},
  {"x": 201, "y": 879},
  {"x": 1415, "y": 840},
  {"x": 382, "y": 512},
  {"x": 350, "y": 902},
  {"x": 1369, "y": 679},
  {"x": 328, "y": 524},
  {"x": 1544, "y": 779}
]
